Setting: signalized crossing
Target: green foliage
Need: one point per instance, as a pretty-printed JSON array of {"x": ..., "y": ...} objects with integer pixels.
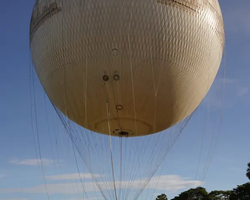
[
  {"x": 219, "y": 195},
  {"x": 198, "y": 193},
  {"x": 242, "y": 192},
  {"x": 248, "y": 171},
  {"x": 162, "y": 197}
]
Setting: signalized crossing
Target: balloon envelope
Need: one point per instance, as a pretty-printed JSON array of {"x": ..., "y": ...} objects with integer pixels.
[{"x": 126, "y": 68}]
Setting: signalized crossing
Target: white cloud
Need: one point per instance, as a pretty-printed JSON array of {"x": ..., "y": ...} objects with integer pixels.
[
  {"x": 32, "y": 162},
  {"x": 15, "y": 199},
  {"x": 61, "y": 188},
  {"x": 75, "y": 176},
  {"x": 165, "y": 182},
  {"x": 94, "y": 198},
  {"x": 172, "y": 183}
]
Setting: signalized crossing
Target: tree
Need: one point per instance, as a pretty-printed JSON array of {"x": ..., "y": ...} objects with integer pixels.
[
  {"x": 248, "y": 171},
  {"x": 162, "y": 197},
  {"x": 242, "y": 192},
  {"x": 220, "y": 195},
  {"x": 198, "y": 193}
]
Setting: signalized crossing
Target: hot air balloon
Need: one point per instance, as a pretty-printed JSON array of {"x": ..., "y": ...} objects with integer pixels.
[{"x": 126, "y": 68}]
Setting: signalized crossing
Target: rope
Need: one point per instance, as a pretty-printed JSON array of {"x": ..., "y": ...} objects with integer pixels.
[{"x": 111, "y": 155}]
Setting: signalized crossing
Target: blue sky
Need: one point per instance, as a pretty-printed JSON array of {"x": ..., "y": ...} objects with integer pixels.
[{"x": 21, "y": 176}]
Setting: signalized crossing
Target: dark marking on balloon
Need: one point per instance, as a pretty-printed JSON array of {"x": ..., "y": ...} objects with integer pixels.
[
  {"x": 123, "y": 134},
  {"x": 105, "y": 78},
  {"x": 40, "y": 17},
  {"x": 119, "y": 107},
  {"x": 116, "y": 77}
]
